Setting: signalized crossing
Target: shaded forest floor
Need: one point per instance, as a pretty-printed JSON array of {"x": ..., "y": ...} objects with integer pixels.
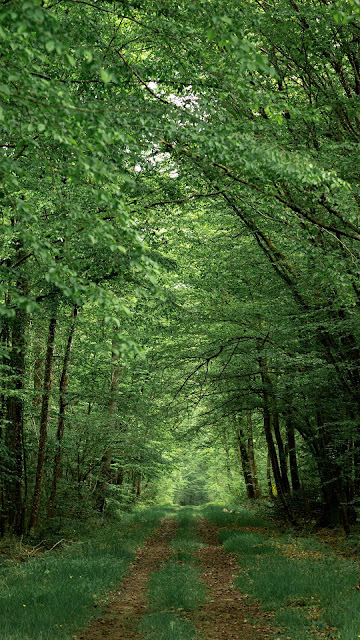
[{"x": 185, "y": 574}]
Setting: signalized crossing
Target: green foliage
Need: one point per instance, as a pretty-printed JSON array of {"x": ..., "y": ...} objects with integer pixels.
[{"x": 187, "y": 175}]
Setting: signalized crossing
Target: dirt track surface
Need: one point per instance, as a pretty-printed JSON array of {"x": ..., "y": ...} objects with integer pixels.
[
  {"x": 229, "y": 614},
  {"x": 128, "y": 604}
]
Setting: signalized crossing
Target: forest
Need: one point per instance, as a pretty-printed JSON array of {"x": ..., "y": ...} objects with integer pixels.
[{"x": 179, "y": 280}]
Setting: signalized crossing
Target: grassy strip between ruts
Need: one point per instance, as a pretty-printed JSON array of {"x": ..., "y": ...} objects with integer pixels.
[
  {"x": 51, "y": 596},
  {"x": 175, "y": 588},
  {"x": 311, "y": 589}
]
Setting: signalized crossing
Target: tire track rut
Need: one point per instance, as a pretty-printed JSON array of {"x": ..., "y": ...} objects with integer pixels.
[{"x": 128, "y": 603}]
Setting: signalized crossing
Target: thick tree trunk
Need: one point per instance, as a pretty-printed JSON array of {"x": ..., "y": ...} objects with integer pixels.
[
  {"x": 44, "y": 419},
  {"x": 245, "y": 462},
  {"x": 14, "y": 415},
  {"x": 63, "y": 388}
]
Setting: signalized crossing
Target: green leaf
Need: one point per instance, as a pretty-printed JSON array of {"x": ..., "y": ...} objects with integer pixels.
[
  {"x": 50, "y": 46},
  {"x": 5, "y": 89},
  {"x": 105, "y": 76}
]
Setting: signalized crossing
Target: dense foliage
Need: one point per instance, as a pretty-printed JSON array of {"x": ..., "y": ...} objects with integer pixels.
[{"x": 179, "y": 256}]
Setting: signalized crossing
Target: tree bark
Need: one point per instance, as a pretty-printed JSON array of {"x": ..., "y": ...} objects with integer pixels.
[
  {"x": 281, "y": 449},
  {"x": 335, "y": 508},
  {"x": 270, "y": 442},
  {"x": 44, "y": 419},
  {"x": 268, "y": 475},
  {"x": 105, "y": 472},
  {"x": 251, "y": 450},
  {"x": 63, "y": 388},
  {"x": 245, "y": 462},
  {"x": 294, "y": 472},
  {"x": 14, "y": 415}
]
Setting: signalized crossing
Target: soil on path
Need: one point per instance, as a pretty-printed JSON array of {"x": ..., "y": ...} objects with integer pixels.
[
  {"x": 229, "y": 614},
  {"x": 128, "y": 604}
]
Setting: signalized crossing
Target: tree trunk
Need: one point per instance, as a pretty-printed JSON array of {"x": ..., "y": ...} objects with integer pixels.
[
  {"x": 38, "y": 382},
  {"x": 229, "y": 475},
  {"x": 253, "y": 470},
  {"x": 14, "y": 415},
  {"x": 335, "y": 508},
  {"x": 282, "y": 454},
  {"x": 139, "y": 485},
  {"x": 44, "y": 419},
  {"x": 4, "y": 337},
  {"x": 245, "y": 463},
  {"x": 270, "y": 442},
  {"x": 294, "y": 472},
  {"x": 63, "y": 388},
  {"x": 105, "y": 472},
  {"x": 268, "y": 475}
]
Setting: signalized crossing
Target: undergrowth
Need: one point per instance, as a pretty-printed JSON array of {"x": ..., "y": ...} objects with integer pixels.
[
  {"x": 238, "y": 517},
  {"x": 52, "y": 595}
]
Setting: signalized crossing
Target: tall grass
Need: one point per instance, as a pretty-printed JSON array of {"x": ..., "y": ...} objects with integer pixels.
[
  {"x": 51, "y": 596},
  {"x": 186, "y": 539},
  {"x": 249, "y": 543},
  {"x": 239, "y": 518},
  {"x": 310, "y": 588},
  {"x": 176, "y": 587}
]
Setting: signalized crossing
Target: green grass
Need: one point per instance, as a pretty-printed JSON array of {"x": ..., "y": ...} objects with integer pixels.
[
  {"x": 51, "y": 596},
  {"x": 244, "y": 542},
  {"x": 240, "y": 518},
  {"x": 176, "y": 587},
  {"x": 281, "y": 582},
  {"x": 184, "y": 543},
  {"x": 308, "y": 586},
  {"x": 186, "y": 540},
  {"x": 184, "y": 557},
  {"x": 165, "y": 625}
]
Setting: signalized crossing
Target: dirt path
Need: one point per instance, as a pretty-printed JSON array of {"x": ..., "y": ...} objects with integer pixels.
[
  {"x": 128, "y": 605},
  {"x": 228, "y": 615}
]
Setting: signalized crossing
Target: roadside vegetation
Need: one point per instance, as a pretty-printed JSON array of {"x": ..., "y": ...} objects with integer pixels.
[
  {"x": 312, "y": 591},
  {"x": 58, "y": 591}
]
